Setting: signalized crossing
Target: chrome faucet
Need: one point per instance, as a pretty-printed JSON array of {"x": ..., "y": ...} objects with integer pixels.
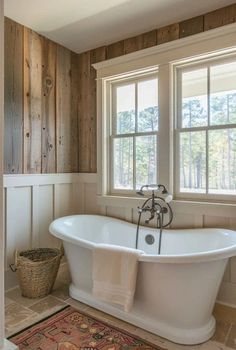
[
  {"x": 156, "y": 208},
  {"x": 157, "y": 205}
]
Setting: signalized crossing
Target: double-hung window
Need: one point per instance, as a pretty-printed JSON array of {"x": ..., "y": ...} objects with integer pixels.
[
  {"x": 133, "y": 133},
  {"x": 169, "y": 117},
  {"x": 206, "y": 128}
]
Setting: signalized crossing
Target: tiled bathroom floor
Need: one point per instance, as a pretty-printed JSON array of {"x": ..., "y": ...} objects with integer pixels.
[{"x": 22, "y": 312}]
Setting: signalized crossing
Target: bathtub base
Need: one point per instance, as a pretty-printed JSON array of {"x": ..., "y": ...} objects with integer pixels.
[{"x": 139, "y": 319}]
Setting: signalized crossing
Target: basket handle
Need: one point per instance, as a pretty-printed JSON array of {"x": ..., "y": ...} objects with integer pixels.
[
  {"x": 13, "y": 266},
  {"x": 61, "y": 248}
]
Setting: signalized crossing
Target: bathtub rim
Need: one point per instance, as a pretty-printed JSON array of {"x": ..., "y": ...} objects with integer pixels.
[{"x": 213, "y": 255}]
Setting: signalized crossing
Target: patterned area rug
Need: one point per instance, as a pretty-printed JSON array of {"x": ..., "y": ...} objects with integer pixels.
[{"x": 70, "y": 329}]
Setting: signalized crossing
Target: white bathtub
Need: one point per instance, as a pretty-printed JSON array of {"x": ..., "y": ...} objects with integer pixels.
[{"x": 175, "y": 292}]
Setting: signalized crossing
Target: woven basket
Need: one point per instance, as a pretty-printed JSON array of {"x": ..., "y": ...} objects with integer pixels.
[{"x": 37, "y": 270}]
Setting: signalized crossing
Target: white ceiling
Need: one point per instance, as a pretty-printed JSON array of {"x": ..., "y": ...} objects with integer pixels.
[{"x": 84, "y": 24}]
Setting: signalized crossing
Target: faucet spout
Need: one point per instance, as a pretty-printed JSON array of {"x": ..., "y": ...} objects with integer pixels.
[{"x": 151, "y": 218}]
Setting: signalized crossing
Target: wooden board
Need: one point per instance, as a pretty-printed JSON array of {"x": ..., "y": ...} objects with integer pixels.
[
  {"x": 49, "y": 107},
  {"x": 85, "y": 130},
  {"x": 32, "y": 101},
  {"x": 74, "y": 112},
  {"x": 191, "y": 26},
  {"x": 63, "y": 110},
  {"x": 133, "y": 44},
  {"x": 168, "y": 33},
  {"x": 115, "y": 50},
  {"x": 13, "y": 94},
  {"x": 220, "y": 17},
  {"x": 149, "y": 39}
]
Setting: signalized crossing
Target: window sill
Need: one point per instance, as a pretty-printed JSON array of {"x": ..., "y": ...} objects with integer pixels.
[{"x": 179, "y": 206}]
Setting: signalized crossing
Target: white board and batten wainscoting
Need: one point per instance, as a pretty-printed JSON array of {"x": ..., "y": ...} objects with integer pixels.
[{"x": 33, "y": 201}]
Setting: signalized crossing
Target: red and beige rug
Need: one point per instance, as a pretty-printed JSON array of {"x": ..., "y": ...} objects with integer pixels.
[{"x": 70, "y": 329}]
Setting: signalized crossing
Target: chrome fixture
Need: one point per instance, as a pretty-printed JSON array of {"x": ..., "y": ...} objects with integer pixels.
[{"x": 157, "y": 205}]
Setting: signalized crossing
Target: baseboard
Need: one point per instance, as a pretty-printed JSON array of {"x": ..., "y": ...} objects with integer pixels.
[{"x": 7, "y": 345}]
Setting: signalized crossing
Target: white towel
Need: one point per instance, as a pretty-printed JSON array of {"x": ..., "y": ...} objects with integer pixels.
[{"x": 114, "y": 274}]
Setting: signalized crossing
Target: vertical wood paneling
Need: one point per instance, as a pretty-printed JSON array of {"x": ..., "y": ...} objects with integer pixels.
[
  {"x": 118, "y": 213},
  {"x": 63, "y": 110},
  {"x": 140, "y": 42},
  {"x": 18, "y": 220},
  {"x": 13, "y": 107},
  {"x": 168, "y": 33},
  {"x": 29, "y": 209},
  {"x": 85, "y": 129},
  {"x": 54, "y": 106},
  {"x": 115, "y": 50},
  {"x": 149, "y": 39},
  {"x": 90, "y": 199},
  {"x": 87, "y": 138},
  {"x": 191, "y": 26},
  {"x": 66, "y": 199},
  {"x": 49, "y": 107},
  {"x": 33, "y": 101},
  {"x": 74, "y": 112},
  {"x": 41, "y": 104},
  {"x": 133, "y": 44},
  {"x": 45, "y": 217},
  {"x": 216, "y": 221},
  {"x": 220, "y": 17}
]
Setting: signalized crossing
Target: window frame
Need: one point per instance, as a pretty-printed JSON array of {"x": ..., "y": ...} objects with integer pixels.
[
  {"x": 219, "y": 42},
  {"x": 114, "y": 84},
  {"x": 178, "y": 69}
]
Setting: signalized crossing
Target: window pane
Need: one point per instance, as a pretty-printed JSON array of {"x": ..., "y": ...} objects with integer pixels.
[
  {"x": 193, "y": 162},
  {"x": 146, "y": 160},
  {"x": 222, "y": 161},
  {"x": 147, "y": 105},
  {"x": 194, "y": 98},
  {"x": 125, "y": 109},
  {"x": 123, "y": 163},
  {"x": 223, "y": 94}
]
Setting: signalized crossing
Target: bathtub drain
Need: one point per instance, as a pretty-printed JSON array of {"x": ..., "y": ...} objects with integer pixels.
[{"x": 150, "y": 239}]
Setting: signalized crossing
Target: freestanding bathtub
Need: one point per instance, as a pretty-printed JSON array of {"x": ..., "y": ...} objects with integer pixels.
[{"x": 175, "y": 292}]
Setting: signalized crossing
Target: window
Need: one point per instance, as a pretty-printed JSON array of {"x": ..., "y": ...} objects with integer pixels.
[
  {"x": 206, "y": 128},
  {"x": 168, "y": 115},
  {"x": 134, "y": 130}
]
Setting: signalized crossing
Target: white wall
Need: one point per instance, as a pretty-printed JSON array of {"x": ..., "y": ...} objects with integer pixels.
[{"x": 33, "y": 201}]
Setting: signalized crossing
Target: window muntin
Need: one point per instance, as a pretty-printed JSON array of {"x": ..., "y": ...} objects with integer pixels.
[
  {"x": 206, "y": 128},
  {"x": 134, "y": 128}
]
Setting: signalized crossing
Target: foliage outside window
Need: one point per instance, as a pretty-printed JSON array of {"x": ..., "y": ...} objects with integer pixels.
[
  {"x": 206, "y": 128},
  {"x": 134, "y": 129}
]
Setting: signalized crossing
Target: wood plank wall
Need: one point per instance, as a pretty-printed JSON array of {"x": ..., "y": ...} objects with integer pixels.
[
  {"x": 87, "y": 84},
  {"x": 50, "y": 94},
  {"x": 41, "y": 104}
]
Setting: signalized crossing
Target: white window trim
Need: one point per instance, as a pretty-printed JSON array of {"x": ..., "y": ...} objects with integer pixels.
[{"x": 220, "y": 41}]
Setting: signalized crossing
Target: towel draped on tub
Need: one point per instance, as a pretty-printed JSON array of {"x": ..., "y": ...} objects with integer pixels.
[{"x": 114, "y": 274}]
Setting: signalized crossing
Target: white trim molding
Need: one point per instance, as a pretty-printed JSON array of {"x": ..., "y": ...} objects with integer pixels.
[{"x": 225, "y": 32}]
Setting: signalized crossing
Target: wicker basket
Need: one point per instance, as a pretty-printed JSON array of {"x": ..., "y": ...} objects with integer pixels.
[{"x": 37, "y": 270}]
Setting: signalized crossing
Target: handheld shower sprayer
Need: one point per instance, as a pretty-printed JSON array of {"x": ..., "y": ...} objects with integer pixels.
[
  {"x": 157, "y": 205},
  {"x": 156, "y": 187}
]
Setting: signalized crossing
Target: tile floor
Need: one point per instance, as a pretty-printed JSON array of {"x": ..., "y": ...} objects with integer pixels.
[{"x": 22, "y": 312}]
